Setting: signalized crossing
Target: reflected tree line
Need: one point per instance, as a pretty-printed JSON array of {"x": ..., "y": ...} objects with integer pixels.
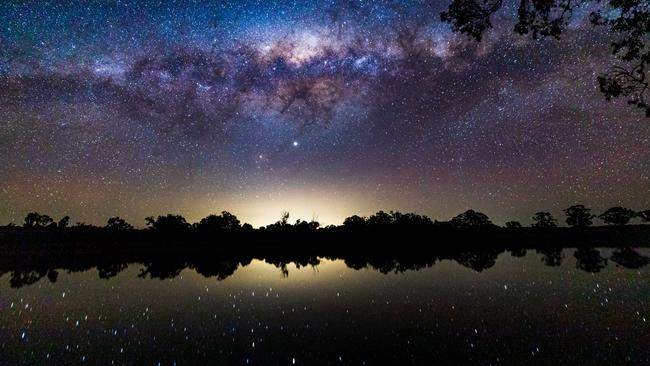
[{"x": 221, "y": 267}]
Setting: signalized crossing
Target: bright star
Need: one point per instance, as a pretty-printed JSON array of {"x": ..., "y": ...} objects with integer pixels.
[{"x": 295, "y": 143}]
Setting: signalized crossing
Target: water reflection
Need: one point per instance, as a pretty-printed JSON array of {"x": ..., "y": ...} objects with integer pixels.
[
  {"x": 483, "y": 307},
  {"x": 28, "y": 272}
]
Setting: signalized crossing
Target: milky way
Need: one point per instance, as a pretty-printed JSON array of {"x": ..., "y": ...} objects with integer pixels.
[{"x": 323, "y": 109}]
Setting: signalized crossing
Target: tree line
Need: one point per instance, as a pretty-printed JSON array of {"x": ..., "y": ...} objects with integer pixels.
[{"x": 575, "y": 216}]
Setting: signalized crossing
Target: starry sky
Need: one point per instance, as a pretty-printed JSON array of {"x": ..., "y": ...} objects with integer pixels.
[{"x": 324, "y": 109}]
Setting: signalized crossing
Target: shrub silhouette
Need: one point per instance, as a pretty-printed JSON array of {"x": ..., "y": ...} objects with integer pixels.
[
  {"x": 380, "y": 219},
  {"x": 280, "y": 225},
  {"x": 64, "y": 222},
  {"x": 168, "y": 223},
  {"x": 392, "y": 219},
  {"x": 513, "y": 225},
  {"x": 34, "y": 220},
  {"x": 410, "y": 220},
  {"x": 118, "y": 224},
  {"x": 219, "y": 223},
  {"x": 544, "y": 219},
  {"x": 589, "y": 260},
  {"x": 354, "y": 222},
  {"x": 617, "y": 216},
  {"x": 306, "y": 226}
]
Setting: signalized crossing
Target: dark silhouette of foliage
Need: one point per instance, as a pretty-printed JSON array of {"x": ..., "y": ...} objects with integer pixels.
[
  {"x": 471, "y": 219},
  {"x": 163, "y": 269},
  {"x": 107, "y": 271},
  {"x": 617, "y": 216},
  {"x": 410, "y": 220},
  {"x": 284, "y": 218},
  {"x": 629, "y": 258},
  {"x": 551, "y": 257},
  {"x": 354, "y": 222},
  {"x": 118, "y": 224},
  {"x": 38, "y": 265},
  {"x": 300, "y": 227},
  {"x": 513, "y": 224},
  {"x": 380, "y": 219},
  {"x": 518, "y": 252},
  {"x": 64, "y": 222},
  {"x": 168, "y": 223},
  {"x": 24, "y": 278},
  {"x": 384, "y": 220},
  {"x": 543, "y": 219},
  {"x": 471, "y": 17},
  {"x": 477, "y": 260},
  {"x": 578, "y": 215},
  {"x": 220, "y": 269},
  {"x": 629, "y": 20},
  {"x": 589, "y": 260},
  {"x": 386, "y": 227},
  {"x": 306, "y": 226},
  {"x": 34, "y": 220},
  {"x": 219, "y": 223},
  {"x": 280, "y": 225},
  {"x": 644, "y": 215}
]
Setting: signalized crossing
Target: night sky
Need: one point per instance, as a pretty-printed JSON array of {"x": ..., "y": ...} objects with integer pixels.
[{"x": 324, "y": 109}]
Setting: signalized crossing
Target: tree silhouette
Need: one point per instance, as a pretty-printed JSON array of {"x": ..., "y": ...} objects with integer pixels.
[
  {"x": 284, "y": 218},
  {"x": 306, "y": 226},
  {"x": 617, "y": 216},
  {"x": 578, "y": 215},
  {"x": 354, "y": 222},
  {"x": 644, "y": 215},
  {"x": 589, "y": 260},
  {"x": 168, "y": 223},
  {"x": 629, "y": 258},
  {"x": 216, "y": 223},
  {"x": 629, "y": 20},
  {"x": 551, "y": 257},
  {"x": 477, "y": 260},
  {"x": 34, "y": 220},
  {"x": 471, "y": 219},
  {"x": 513, "y": 224},
  {"x": 519, "y": 252},
  {"x": 118, "y": 224},
  {"x": 380, "y": 219},
  {"x": 410, "y": 220},
  {"x": 544, "y": 219},
  {"x": 280, "y": 225},
  {"x": 25, "y": 278},
  {"x": 64, "y": 222},
  {"x": 111, "y": 270}
]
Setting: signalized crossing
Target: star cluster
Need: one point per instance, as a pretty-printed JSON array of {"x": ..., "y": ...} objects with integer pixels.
[{"x": 329, "y": 109}]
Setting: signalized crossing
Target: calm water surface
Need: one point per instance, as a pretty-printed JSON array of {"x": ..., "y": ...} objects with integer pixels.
[{"x": 519, "y": 311}]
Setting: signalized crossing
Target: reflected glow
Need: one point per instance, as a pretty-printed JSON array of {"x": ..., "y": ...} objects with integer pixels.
[{"x": 331, "y": 312}]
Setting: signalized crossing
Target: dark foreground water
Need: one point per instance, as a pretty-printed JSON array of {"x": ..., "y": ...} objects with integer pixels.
[{"x": 519, "y": 310}]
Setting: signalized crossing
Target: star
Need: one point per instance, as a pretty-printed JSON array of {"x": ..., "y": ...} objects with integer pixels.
[{"x": 118, "y": 115}]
